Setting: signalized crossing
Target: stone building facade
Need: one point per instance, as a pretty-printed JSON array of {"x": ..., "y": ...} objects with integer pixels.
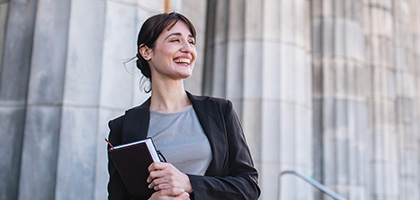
[{"x": 327, "y": 88}]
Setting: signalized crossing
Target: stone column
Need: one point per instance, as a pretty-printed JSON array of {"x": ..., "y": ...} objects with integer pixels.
[
  {"x": 38, "y": 173},
  {"x": 79, "y": 118},
  {"x": 216, "y": 52},
  {"x": 17, "y": 32},
  {"x": 406, "y": 27},
  {"x": 415, "y": 25},
  {"x": 288, "y": 89},
  {"x": 225, "y": 50},
  {"x": 4, "y": 8},
  {"x": 257, "y": 55},
  {"x": 340, "y": 81},
  {"x": 380, "y": 36}
]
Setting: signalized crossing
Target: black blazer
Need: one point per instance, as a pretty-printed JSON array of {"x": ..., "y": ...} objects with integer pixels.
[{"x": 231, "y": 174}]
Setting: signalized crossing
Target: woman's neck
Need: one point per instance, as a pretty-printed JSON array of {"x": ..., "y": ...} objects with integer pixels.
[{"x": 169, "y": 97}]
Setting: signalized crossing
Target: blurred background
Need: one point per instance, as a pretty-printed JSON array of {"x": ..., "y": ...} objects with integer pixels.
[{"x": 327, "y": 89}]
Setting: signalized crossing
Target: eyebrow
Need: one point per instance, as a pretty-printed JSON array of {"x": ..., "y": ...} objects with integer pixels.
[{"x": 178, "y": 34}]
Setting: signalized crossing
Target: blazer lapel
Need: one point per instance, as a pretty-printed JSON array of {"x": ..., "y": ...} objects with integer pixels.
[{"x": 136, "y": 123}]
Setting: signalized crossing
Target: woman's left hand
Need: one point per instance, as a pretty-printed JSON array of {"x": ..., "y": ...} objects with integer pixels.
[{"x": 166, "y": 176}]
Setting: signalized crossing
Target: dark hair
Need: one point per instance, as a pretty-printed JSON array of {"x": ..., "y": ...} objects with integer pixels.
[{"x": 150, "y": 31}]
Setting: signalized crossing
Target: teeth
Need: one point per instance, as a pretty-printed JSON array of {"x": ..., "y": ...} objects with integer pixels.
[{"x": 183, "y": 60}]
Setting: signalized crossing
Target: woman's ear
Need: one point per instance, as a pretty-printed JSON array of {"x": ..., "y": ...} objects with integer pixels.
[{"x": 145, "y": 52}]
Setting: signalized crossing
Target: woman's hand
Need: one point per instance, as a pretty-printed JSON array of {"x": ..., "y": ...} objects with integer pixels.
[
  {"x": 163, "y": 176},
  {"x": 172, "y": 194}
]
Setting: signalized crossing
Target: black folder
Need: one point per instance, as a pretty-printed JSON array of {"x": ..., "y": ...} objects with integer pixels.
[{"x": 132, "y": 161}]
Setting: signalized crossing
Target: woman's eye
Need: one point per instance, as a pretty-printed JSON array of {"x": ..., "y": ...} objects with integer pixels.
[
  {"x": 192, "y": 42},
  {"x": 175, "y": 40}
]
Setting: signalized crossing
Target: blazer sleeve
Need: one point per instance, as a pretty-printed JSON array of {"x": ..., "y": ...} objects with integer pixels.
[
  {"x": 240, "y": 178},
  {"x": 116, "y": 187}
]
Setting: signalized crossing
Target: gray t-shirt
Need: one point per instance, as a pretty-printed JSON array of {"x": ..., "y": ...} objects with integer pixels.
[{"x": 181, "y": 139}]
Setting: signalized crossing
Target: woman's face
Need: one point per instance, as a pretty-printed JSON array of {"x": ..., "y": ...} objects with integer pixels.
[{"x": 174, "y": 54}]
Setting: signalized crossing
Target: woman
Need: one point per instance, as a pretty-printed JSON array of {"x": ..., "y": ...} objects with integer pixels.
[{"x": 200, "y": 136}]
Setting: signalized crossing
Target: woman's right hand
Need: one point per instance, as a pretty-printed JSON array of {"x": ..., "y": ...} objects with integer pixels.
[{"x": 172, "y": 194}]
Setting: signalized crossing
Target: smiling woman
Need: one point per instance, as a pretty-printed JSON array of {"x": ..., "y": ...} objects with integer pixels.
[{"x": 201, "y": 137}]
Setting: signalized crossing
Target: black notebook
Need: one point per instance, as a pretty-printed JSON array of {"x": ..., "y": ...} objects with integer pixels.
[{"x": 132, "y": 161}]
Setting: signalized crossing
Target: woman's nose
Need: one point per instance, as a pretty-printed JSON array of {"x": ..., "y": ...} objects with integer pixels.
[{"x": 187, "y": 47}]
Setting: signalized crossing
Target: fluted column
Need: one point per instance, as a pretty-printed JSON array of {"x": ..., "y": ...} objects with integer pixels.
[
  {"x": 380, "y": 57},
  {"x": 225, "y": 50},
  {"x": 340, "y": 97},
  {"x": 216, "y": 48},
  {"x": 415, "y": 7},
  {"x": 17, "y": 27},
  {"x": 406, "y": 27},
  {"x": 45, "y": 94},
  {"x": 294, "y": 97},
  {"x": 257, "y": 55},
  {"x": 4, "y": 8},
  {"x": 78, "y": 132}
]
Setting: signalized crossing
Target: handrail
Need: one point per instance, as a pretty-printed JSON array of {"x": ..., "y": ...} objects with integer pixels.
[{"x": 314, "y": 183}]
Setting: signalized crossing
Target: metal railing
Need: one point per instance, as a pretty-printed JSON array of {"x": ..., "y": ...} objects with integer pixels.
[{"x": 313, "y": 182}]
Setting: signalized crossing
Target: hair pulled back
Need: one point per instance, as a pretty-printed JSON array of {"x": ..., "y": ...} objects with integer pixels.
[{"x": 150, "y": 31}]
